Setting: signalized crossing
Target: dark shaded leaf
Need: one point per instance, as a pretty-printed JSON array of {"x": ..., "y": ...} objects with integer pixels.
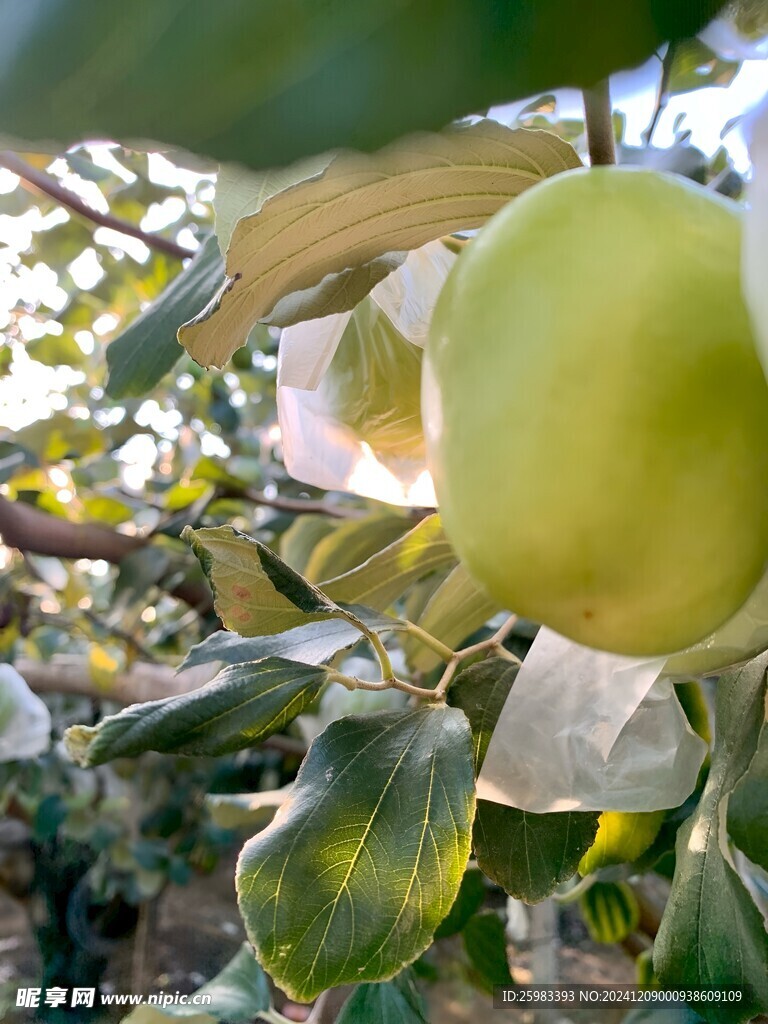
[
  {"x": 242, "y": 706},
  {"x": 486, "y": 946},
  {"x": 711, "y": 932},
  {"x": 388, "y": 1002},
  {"x": 239, "y": 83},
  {"x": 147, "y": 349},
  {"x": 748, "y": 806},
  {"x": 469, "y": 900}
]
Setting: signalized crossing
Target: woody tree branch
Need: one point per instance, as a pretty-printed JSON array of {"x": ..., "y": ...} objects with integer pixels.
[
  {"x": 40, "y": 182},
  {"x": 31, "y": 530}
]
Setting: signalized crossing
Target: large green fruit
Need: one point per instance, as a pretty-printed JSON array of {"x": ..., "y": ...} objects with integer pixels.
[
  {"x": 596, "y": 416},
  {"x": 373, "y": 384}
]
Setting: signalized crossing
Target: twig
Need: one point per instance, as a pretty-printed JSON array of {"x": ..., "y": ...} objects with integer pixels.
[
  {"x": 576, "y": 891},
  {"x": 439, "y": 648},
  {"x": 392, "y": 683},
  {"x": 39, "y": 181},
  {"x": 598, "y": 121},
  {"x": 301, "y": 505},
  {"x": 389, "y": 681},
  {"x": 662, "y": 94},
  {"x": 494, "y": 644}
]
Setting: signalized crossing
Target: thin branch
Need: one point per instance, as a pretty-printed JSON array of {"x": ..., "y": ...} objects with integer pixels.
[
  {"x": 393, "y": 683},
  {"x": 598, "y": 121},
  {"x": 300, "y": 505},
  {"x": 493, "y": 645},
  {"x": 576, "y": 891},
  {"x": 662, "y": 93},
  {"x": 437, "y": 646},
  {"x": 38, "y": 181},
  {"x": 303, "y": 505}
]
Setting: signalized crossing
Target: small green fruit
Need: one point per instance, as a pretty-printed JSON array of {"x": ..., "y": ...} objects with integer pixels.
[
  {"x": 373, "y": 384},
  {"x": 595, "y": 413}
]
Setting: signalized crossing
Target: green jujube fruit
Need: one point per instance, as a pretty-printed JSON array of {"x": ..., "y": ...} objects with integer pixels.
[
  {"x": 373, "y": 384},
  {"x": 595, "y": 414}
]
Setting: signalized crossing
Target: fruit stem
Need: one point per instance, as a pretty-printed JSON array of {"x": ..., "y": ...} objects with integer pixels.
[
  {"x": 493, "y": 645},
  {"x": 440, "y": 649},
  {"x": 598, "y": 122},
  {"x": 354, "y": 683},
  {"x": 576, "y": 891}
]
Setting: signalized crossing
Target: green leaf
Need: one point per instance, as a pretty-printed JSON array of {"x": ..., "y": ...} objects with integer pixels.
[
  {"x": 312, "y": 644},
  {"x": 336, "y": 293},
  {"x": 711, "y": 932},
  {"x": 389, "y": 1002},
  {"x": 748, "y": 806},
  {"x": 353, "y": 876},
  {"x": 103, "y": 509},
  {"x": 481, "y": 692},
  {"x": 56, "y": 350},
  {"x": 299, "y": 540},
  {"x": 255, "y": 592},
  {"x": 12, "y": 458},
  {"x": 352, "y": 544},
  {"x": 528, "y": 855},
  {"x": 696, "y": 66},
  {"x": 610, "y": 911},
  {"x": 238, "y": 993},
  {"x": 241, "y": 192},
  {"x": 457, "y": 608},
  {"x": 486, "y": 946},
  {"x": 148, "y": 348},
  {"x": 240, "y": 83},
  {"x": 239, "y": 708},
  {"x": 362, "y": 207},
  {"x": 469, "y": 900},
  {"x": 621, "y": 836},
  {"x": 388, "y": 574}
]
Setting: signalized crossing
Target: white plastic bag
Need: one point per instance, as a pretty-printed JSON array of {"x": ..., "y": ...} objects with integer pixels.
[
  {"x": 755, "y": 246},
  {"x": 25, "y": 721},
  {"x": 583, "y": 730},
  {"x": 317, "y": 448}
]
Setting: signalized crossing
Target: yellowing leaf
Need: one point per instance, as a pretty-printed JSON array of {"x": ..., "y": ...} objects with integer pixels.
[
  {"x": 103, "y": 667},
  {"x": 402, "y": 197}
]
